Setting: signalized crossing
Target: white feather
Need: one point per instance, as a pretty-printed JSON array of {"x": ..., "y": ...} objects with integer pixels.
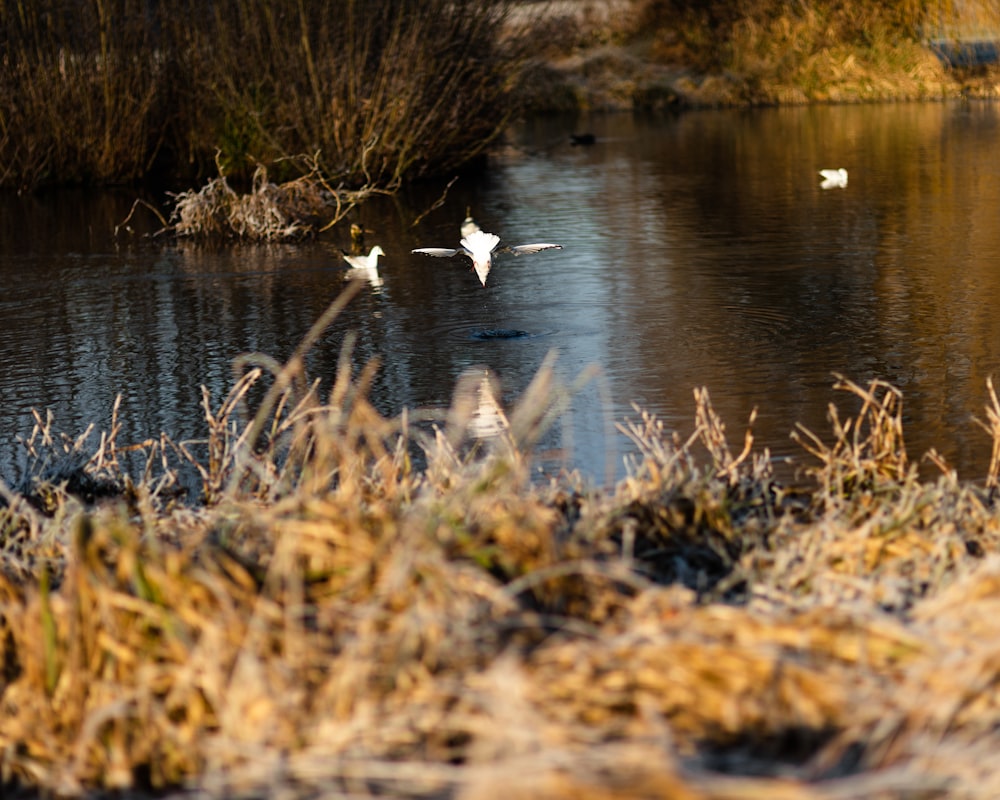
[
  {"x": 369, "y": 261},
  {"x": 481, "y": 247},
  {"x": 437, "y": 252},
  {"x": 525, "y": 249}
]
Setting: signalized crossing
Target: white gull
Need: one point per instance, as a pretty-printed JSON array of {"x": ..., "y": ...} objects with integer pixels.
[
  {"x": 365, "y": 266},
  {"x": 833, "y": 178},
  {"x": 481, "y": 247}
]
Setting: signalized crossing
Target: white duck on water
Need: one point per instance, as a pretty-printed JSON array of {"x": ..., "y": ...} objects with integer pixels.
[
  {"x": 369, "y": 261},
  {"x": 365, "y": 266},
  {"x": 481, "y": 247},
  {"x": 833, "y": 178}
]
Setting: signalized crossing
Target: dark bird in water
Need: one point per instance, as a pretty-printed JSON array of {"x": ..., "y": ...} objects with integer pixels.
[
  {"x": 469, "y": 227},
  {"x": 358, "y": 239},
  {"x": 481, "y": 247},
  {"x": 582, "y": 138}
]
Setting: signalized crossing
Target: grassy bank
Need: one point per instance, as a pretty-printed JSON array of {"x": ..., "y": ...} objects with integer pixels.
[
  {"x": 373, "y": 92},
  {"x": 670, "y": 54},
  {"x": 331, "y": 622}
]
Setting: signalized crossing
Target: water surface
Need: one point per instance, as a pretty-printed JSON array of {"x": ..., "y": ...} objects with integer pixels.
[{"x": 699, "y": 250}]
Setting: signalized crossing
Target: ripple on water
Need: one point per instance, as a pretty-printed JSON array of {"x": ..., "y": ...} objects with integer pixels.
[{"x": 477, "y": 332}]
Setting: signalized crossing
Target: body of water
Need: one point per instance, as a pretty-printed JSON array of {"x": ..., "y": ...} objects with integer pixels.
[{"x": 699, "y": 250}]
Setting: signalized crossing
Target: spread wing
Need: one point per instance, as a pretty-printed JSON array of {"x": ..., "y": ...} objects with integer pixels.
[
  {"x": 357, "y": 262},
  {"x": 524, "y": 249},
  {"x": 437, "y": 252}
]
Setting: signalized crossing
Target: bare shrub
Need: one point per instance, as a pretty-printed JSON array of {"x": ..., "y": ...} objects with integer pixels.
[
  {"x": 80, "y": 89},
  {"x": 383, "y": 90}
]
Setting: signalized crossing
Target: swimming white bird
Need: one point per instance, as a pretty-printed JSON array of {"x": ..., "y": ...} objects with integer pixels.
[
  {"x": 833, "y": 178},
  {"x": 365, "y": 266},
  {"x": 369, "y": 261},
  {"x": 481, "y": 247}
]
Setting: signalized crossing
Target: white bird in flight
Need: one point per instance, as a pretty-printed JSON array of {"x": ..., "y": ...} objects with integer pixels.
[
  {"x": 481, "y": 247},
  {"x": 833, "y": 178}
]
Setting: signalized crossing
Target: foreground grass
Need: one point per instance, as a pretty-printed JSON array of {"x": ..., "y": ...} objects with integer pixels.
[{"x": 332, "y": 622}]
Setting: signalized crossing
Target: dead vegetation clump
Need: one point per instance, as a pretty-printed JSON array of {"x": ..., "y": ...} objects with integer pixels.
[
  {"x": 330, "y": 621},
  {"x": 268, "y": 212}
]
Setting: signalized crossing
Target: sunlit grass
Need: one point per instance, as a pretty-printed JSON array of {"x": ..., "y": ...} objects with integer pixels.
[
  {"x": 764, "y": 52},
  {"x": 327, "y": 620}
]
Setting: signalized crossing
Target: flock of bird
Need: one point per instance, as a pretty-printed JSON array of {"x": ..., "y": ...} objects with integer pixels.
[
  {"x": 478, "y": 245},
  {"x": 481, "y": 247}
]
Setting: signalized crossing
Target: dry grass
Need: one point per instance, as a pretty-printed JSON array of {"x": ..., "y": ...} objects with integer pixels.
[
  {"x": 765, "y": 52},
  {"x": 79, "y": 93},
  {"x": 268, "y": 212},
  {"x": 331, "y": 622},
  {"x": 379, "y": 92}
]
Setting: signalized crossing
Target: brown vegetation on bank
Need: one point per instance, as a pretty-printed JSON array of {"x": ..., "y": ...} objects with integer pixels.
[
  {"x": 373, "y": 92},
  {"x": 670, "y": 54},
  {"x": 378, "y": 92},
  {"x": 332, "y": 622}
]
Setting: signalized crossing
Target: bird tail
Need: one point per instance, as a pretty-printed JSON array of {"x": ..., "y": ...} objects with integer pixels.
[{"x": 482, "y": 270}]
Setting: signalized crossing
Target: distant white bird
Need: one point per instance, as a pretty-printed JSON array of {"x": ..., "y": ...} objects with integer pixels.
[
  {"x": 833, "y": 178},
  {"x": 469, "y": 227},
  {"x": 481, "y": 247},
  {"x": 365, "y": 266}
]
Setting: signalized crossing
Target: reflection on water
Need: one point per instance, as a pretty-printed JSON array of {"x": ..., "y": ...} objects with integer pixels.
[{"x": 699, "y": 250}]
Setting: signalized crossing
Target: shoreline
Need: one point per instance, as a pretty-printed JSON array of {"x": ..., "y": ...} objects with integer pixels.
[{"x": 591, "y": 63}]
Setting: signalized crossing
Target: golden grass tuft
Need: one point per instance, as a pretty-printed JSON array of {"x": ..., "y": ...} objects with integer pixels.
[
  {"x": 765, "y": 52},
  {"x": 329, "y": 621}
]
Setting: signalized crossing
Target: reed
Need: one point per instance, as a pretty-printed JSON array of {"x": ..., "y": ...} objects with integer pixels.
[
  {"x": 80, "y": 91},
  {"x": 374, "y": 92},
  {"x": 329, "y": 621}
]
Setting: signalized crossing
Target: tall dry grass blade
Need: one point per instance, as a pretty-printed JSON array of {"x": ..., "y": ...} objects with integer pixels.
[
  {"x": 992, "y": 428},
  {"x": 292, "y": 369},
  {"x": 544, "y": 401},
  {"x": 49, "y": 636},
  {"x": 869, "y": 449},
  {"x": 712, "y": 432}
]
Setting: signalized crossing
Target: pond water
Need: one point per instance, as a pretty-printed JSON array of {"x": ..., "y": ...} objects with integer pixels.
[{"x": 699, "y": 250}]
